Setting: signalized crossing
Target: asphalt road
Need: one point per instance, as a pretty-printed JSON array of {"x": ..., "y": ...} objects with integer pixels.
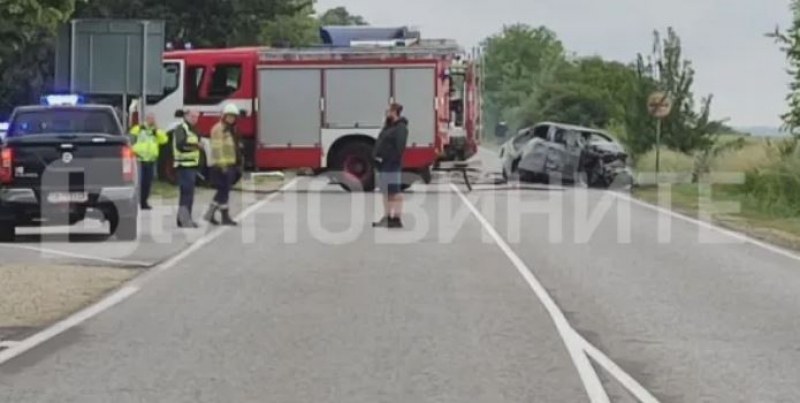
[
  {"x": 306, "y": 303},
  {"x": 88, "y": 243}
]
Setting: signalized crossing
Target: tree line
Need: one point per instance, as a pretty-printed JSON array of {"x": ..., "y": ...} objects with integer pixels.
[
  {"x": 28, "y": 29},
  {"x": 531, "y": 77}
]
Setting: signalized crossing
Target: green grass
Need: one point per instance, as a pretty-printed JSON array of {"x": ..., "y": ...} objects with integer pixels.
[
  {"x": 753, "y": 217},
  {"x": 164, "y": 190},
  {"x": 768, "y": 200},
  {"x": 754, "y": 154}
]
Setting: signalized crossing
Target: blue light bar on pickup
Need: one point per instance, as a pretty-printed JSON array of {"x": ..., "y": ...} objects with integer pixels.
[{"x": 62, "y": 100}]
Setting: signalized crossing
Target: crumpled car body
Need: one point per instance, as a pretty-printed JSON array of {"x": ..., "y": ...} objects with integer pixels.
[{"x": 561, "y": 153}]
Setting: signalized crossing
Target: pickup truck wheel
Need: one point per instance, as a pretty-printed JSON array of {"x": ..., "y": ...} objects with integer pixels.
[
  {"x": 7, "y": 231},
  {"x": 125, "y": 228},
  {"x": 354, "y": 168}
]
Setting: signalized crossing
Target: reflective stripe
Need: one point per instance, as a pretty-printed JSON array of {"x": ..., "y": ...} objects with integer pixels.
[
  {"x": 223, "y": 148},
  {"x": 188, "y": 159},
  {"x": 146, "y": 145}
]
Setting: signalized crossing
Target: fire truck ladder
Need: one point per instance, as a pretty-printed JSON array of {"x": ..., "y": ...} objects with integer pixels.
[{"x": 423, "y": 49}]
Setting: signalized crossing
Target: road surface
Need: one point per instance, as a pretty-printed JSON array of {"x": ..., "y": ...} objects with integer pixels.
[{"x": 306, "y": 303}]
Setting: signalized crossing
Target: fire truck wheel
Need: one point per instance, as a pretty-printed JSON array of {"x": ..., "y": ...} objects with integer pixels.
[{"x": 353, "y": 167}]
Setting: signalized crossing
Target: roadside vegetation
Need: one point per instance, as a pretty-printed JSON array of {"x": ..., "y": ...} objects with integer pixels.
[{"x": 531, "y": 77}]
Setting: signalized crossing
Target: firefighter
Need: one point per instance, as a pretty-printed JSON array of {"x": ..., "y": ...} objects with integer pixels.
[
  {"x": 148, "y": 139},
  {"x": 224, "y": 164},
  {"x": 389, "y": 150},
  {"x": 186, "y": 153}
]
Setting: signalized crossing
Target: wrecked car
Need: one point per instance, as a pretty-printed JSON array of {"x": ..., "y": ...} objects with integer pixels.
[{"x": 561, "y": 153}]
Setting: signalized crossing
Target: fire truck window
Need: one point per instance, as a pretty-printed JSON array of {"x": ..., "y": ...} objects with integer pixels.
[
  {"x": 194, "y": 79},
  {"x": 171, "y": 78},
  {"x": 225, "y": 81}
]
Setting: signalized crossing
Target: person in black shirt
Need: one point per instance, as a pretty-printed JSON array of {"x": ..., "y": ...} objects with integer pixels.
[{"x": 389, "y": 150}]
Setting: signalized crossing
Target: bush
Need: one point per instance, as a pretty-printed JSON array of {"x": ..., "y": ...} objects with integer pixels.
[{"x": 776, "y": 187}]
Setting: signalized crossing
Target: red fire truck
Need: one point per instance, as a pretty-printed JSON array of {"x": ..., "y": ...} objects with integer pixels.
[{"x": 322, "y": 108}]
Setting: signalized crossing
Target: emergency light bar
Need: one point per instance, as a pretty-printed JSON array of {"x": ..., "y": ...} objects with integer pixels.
[{"x": 62, "y": 100}]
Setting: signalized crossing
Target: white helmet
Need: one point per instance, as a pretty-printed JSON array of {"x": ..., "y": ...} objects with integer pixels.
[{"x": 230, "y": 109}]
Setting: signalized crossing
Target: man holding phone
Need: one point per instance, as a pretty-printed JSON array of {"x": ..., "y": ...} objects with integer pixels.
[{"x": 388, "y": 154}]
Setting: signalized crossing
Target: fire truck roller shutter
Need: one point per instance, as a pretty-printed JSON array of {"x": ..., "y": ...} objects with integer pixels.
[
  {"x": 356, "y": 98},
  {"x": 289, "y": 107},
  {"x": 414, "y": 89}
]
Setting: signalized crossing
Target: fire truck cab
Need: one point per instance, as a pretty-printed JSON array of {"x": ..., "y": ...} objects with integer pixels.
[{"x": 322, "y": 108}]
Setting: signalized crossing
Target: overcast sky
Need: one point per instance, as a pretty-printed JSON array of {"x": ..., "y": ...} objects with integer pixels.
[{"x": 724, "y": 38}]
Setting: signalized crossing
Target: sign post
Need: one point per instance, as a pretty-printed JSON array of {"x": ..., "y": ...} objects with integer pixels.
[{"x": 659, "y": 105}]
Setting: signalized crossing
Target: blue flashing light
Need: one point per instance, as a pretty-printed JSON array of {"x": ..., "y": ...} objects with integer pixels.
[{"x": 62, "y": 100}]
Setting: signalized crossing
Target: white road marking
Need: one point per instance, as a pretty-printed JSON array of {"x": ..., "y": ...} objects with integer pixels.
[
  {"x": 592, "y": 383},
  {"x": 56, "y": 252},
  {"x": 8, "y": 343},
  {"x": 125, "y": 292},
  {"x": 68, "y": 323},
  {"x": 733, "y": 234},
  {"x": 626, "y": 380}
]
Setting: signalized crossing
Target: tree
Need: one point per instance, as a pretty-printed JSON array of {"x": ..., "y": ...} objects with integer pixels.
[
  {"x": 518, "y": 62},
  {"x": 688, "y": 128},
  {"x": 340, "y": 16},
  {"x": 790, "y": 44},
  {"x": 298, "y": 29},
  {"x": 26, "y": 35},
  {"x": 204, "y": 23}
]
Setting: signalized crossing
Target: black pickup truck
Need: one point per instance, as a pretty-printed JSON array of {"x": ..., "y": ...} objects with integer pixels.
[{"x": 59, "y": 164}]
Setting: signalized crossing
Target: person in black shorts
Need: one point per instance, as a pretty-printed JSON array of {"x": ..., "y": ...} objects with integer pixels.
[{"x": 389, "y": 150}]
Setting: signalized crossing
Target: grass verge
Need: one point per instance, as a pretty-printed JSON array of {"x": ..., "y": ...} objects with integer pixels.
[
  {"x": 164, "y": 190},
  {"x": 730, "y": 207},
  {"x": 37, "y": 295}
]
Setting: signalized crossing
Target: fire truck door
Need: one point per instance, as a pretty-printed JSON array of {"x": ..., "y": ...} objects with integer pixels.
[
  {"x": 289, "y": 107},
  {"x": 414, "y": 88}
]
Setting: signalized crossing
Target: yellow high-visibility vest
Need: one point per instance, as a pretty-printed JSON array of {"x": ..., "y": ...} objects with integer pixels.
[
  {"x": 223, "y": 146},
  {"x": 148, "y": 141},
  {"x": 189, "y": 159}
]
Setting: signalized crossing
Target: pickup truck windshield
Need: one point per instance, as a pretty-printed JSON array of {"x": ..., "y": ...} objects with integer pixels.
[{"x": 58, "y": 121}]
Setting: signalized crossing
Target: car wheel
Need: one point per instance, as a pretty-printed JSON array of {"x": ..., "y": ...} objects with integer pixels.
[{"x": 7, "y": 231}]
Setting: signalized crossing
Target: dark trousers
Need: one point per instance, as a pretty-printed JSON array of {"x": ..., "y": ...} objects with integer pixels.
[
  {"x": 223, "y": 182},
  {"x": 147, "y": 171},
  {"x": 187, "y": 177}
]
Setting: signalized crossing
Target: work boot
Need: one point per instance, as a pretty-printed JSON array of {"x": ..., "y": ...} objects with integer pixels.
[
  {"x": 395, "y": 222},
  {"x": 384, "y": 222},
  {"x": 211, "y": 213},
  {"x": 185, "y": 219},
  {"x": 187, "y": 224},
  {"x": 226, "y": 218}
]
